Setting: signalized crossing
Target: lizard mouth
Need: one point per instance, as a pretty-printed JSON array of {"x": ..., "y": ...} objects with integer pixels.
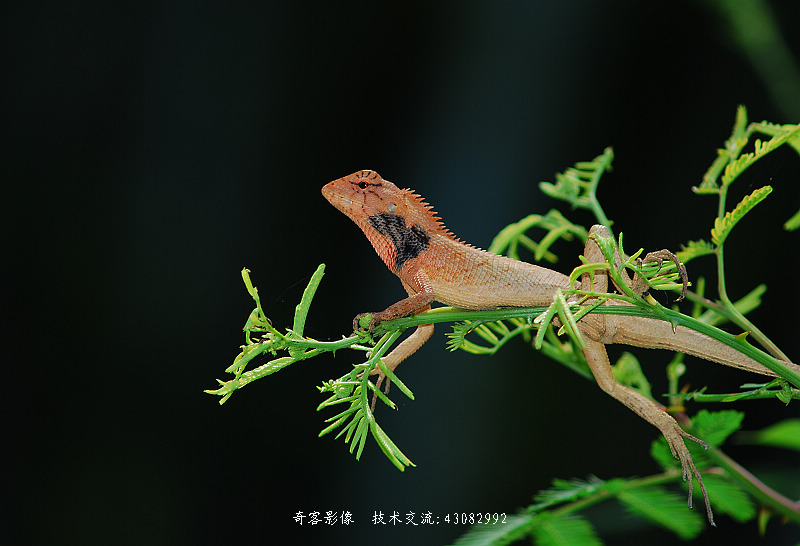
[{"x": 334, "y": 197}]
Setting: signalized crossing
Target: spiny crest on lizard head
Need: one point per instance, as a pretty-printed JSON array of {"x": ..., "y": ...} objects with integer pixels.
[{"x": 364, "y": 194}]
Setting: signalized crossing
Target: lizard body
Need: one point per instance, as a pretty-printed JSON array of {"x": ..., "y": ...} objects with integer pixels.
[{"x": 433, "y": 265}]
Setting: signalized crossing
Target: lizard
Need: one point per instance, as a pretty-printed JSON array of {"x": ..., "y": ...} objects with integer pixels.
[{"x": 435, "y": 266}]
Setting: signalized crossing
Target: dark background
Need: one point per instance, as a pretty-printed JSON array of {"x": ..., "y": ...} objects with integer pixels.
[{"x": 154, "y": 149}]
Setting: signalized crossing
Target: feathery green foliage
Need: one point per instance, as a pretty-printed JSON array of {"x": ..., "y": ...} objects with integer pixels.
[
  {"x": 551, "y": 530},
  {"x": 514, "y": 236},
  {"x": 578, "y": 185},
  {"x": 664, "y": 508},
  {"x": 723, "y": 226},
  {"x": 784, "y": 434}
]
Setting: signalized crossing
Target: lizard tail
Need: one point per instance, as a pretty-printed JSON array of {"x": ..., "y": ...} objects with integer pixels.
[{"x": 656, "y": 334}]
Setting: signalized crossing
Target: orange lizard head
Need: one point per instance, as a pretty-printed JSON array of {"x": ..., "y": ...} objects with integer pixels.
[
  {"x": 365, "y": 194},
  {"x": 397, "y": 222}
]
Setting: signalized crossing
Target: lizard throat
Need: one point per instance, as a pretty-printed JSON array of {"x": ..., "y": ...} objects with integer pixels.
[{"x": 408, "y": 242}]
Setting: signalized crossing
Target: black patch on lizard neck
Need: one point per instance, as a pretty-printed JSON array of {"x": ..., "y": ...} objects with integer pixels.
[{"x": 408, "y": 241}]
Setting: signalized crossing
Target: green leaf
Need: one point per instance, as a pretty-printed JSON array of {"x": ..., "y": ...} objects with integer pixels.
[
  {"x": 557, "y": 226},
  {"x": 360, "y": 437},
  {"x": 564, "y": 530},
  {"x": 744, "y": 305},
  {"x": 730, "y": 161},
  {"x": 496, "y": 534},
  {"x": 568, "y": 322},
  {"x": 457, "y": 338},
  {"x": 787, "y": 133},
  {"x": 248, "y": 283},
  {"x": 257, "y": 317},
  {"x": 544, "y": 320},
  {"x": 225, "y": 391},
  {"x": 751, "y": 300},
  {"x": 485, "y": 332},
  {"x": 709, "y": 183},
  {"x": 723, "y": 226},
  {"x": 785, "y": 434},
  {"x": 694, "y": 249},
  {"x": 565, "y": 491},
  {"x": 715, "y": 427},
  {"x": 784, "y": 395},
  {"x": 738, "y": 135},
  {"x": 301, "y": 311},
  {"x": 388, "y": 447},
  {"x": 507, "y": 236},
  {"x": 792, "y": 223},
  {"x": 578, "y": 185},
  {"x": 394, "y": 379},
  {"x": 494, "y": 333},
  {"x": 733, "y": 147},
  {"x": 663, "y": 508},
  {"x": 248, "y": 353},
  {"x": 728, "y": 498}
]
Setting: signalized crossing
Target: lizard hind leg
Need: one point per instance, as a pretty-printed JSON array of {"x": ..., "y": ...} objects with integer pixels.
[{"x": 597, "y": 358}]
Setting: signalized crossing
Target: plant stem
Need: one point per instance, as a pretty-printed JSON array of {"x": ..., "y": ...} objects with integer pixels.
[
  {"x": 769, "y": 497},
  {"x": 733, "y": 314},
  {"x": 755, "y": 394}
]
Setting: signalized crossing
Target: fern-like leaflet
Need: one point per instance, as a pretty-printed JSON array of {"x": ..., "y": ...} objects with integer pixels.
[
  {"x": 723, "y": 226},
  {"x": 578, "y": 185}
]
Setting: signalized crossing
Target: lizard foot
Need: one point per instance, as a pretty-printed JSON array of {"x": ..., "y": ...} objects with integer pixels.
[
  {"x": 659, "y": 256},
  {"x": 358, "y": 326},
  {"x": 381, "y": 376},
  {"x": 675, "y": 439},
  {"x": 373, "y": 322}
]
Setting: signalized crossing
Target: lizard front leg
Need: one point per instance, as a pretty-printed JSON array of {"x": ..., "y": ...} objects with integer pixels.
[
  {"x": 595, "y": 331},
  {"x": 412, "y": 305}
]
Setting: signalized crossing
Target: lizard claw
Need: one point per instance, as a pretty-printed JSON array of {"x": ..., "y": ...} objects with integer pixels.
[
  {"x": 688, "y": 469},
  {"x": 360, "y": 326},
  {"x": 381, "y": 376},
  {"x": 659, "y": 256},
  {"x": 357, "y": 325}
]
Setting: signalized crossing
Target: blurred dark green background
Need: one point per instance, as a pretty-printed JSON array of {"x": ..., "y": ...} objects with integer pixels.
[{"x": 153, "y": 149}]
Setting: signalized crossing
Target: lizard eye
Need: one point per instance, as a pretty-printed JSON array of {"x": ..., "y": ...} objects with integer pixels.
[
  {"x": 391, "y": 208},
  {"x": 362, "y": 185}
]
